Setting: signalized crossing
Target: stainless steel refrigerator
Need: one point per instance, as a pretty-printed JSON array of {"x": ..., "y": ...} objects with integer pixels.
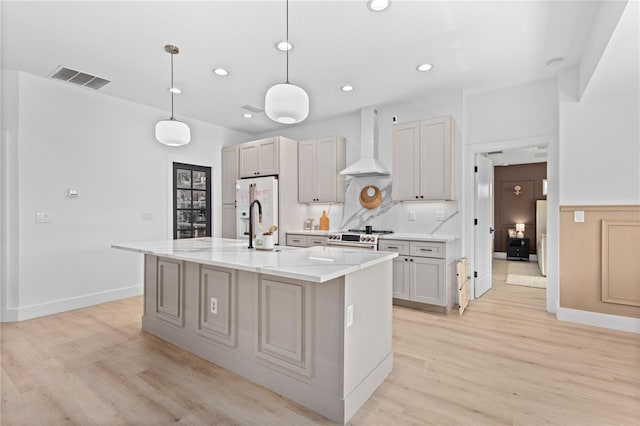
[{"x": 265, "y": 190}]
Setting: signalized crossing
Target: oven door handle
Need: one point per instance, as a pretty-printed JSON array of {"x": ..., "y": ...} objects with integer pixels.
[{"x": 367, "y": 247}]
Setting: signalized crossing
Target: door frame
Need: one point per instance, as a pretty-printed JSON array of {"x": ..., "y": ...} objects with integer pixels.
[
  {"x": 468, "y": 206},
  {"x": 491, "y": 225}
]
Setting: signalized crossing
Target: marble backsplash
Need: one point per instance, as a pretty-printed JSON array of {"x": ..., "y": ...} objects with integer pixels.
[{"x": 389, "y": 215}]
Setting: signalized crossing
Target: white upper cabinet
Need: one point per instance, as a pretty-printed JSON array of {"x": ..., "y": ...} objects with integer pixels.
[
  {"x": 259, "y": 158},
  {"x": 423, "y": 160},
  {"x": 319, "y": 164}
]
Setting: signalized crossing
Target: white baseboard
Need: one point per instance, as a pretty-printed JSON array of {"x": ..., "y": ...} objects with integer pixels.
[
  {"x": 57, "y": 306},
  {"x": 596, "y": 319}
]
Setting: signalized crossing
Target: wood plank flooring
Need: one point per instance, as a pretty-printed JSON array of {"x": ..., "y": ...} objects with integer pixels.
[{"x": 506, "y": 361}]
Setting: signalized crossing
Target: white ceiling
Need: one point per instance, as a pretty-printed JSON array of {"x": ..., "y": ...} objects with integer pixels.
[{"x": 471, "y": 45}]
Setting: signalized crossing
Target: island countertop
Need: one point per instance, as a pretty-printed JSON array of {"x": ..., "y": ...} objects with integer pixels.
[{"x": 316, "y": 264}]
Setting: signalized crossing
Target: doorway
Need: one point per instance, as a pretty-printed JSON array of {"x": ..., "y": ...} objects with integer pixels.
[{"x": 478, "y": 257}]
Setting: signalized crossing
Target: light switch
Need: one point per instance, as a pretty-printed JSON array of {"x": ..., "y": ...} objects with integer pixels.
[
  {"x": 147, "y": 217},
  {"x": 441, "y": 215},
  {"x": 412, "y": 215},
  {"x": 42, "y": 217},
  {"x": 72, "y": 193},
  {"x": 578, "y": 216}
]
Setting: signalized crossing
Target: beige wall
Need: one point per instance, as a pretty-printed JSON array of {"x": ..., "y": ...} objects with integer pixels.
[{"x": 608, "y": 240}]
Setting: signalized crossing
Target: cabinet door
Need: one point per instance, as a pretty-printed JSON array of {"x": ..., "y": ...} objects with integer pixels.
[
  {"x": 326, "y": 173},
  {"x": 229, "y": 221},
  {"x": 267, "y": 157},
  {"x": 306, "y": 171},
  {"x": 248, "y": 159},
  {"x": 436, "y": 159},
  {"x": 406, "y": 161},
  {"x": 229, "y": 174},
  {"x": 427, "y": 283},
  {"x": 401, "y": 278}
]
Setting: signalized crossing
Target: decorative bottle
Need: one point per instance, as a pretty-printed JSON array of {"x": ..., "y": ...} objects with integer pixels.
[{"x": 324, "y": 221}]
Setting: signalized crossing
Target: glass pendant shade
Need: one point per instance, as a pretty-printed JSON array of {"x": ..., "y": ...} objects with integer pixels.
[
  {"x": 286, "y": 103},
  {"x": 172, "y": 132}
]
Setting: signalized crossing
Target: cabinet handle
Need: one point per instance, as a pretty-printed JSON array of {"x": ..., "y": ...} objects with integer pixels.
[
  {"x": 393, "y": 247},
  {"x": 410, "y": 260},
  {"x": 426, "y": 250},
  {"x": 405, "y": 259},
  {"x": 416, "y": 196},
  {"x": 422, "y": 196},
  {"x": 296, "y": 241}
]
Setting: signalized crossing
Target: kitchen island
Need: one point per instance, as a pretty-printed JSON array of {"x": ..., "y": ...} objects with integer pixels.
[{"x": 312, "y": 324}]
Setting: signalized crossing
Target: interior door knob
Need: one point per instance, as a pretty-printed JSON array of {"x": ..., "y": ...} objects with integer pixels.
[{"x": 491, "y": 230}]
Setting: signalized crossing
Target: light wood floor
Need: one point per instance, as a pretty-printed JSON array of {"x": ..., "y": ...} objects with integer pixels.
[{"x": 506, "y": 361}]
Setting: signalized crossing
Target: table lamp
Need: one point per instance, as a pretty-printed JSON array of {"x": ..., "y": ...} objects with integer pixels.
[{"x": 519, "y": 230}]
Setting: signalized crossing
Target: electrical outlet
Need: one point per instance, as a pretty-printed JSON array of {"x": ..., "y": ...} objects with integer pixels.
[
  {"x": 441, "y": 215},
  {"x": 214, "y": 305},
  {"x": 42, "y": 217},
  {"x": 412, "y": 215},
  {"x": 349, "y": 315}
]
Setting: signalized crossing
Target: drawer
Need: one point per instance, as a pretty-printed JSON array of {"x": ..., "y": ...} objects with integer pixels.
[
  {"x": 316, "y": 241},
  {"x": 400, "y": 247},
  {"x": 426, "y": 249},
  {"x": 297, "y": 240}
]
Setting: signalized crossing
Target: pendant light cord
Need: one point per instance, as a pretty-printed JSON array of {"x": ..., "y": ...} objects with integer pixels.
[
  {"x": 171, "y": 87},
  {"x": 288, "y": 48}
]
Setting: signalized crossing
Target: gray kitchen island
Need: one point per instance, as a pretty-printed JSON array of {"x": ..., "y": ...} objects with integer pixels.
[{"x": 312, "y": 324}]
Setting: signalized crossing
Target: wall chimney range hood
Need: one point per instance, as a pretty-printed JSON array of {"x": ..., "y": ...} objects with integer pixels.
[{"x": 367, "y": 165}]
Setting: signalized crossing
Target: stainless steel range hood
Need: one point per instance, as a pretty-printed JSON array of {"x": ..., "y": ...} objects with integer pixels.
[{"x": 368, "y": 164}]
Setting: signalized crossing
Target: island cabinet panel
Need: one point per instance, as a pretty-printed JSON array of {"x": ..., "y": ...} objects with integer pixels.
[
  {"x": 170, "y": 291},
  {"x": 401, "y": 277},
  {"x": 217, "y": 305},
  {"x": 283, "y": 334}
]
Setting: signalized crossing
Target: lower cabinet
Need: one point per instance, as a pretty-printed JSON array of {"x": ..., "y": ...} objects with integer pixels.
[
  {"x": 217, "y": 305},
  {"x": 422, "y": 272},
  {"x": 168, "y": 292},
  {"x": 300, "y": 240}
]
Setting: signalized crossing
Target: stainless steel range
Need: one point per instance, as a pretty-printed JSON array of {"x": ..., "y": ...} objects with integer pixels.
[{"x": 357, "y": 238}]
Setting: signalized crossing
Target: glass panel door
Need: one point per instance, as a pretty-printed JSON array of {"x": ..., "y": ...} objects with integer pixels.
[{"x": 192, "y": 201}]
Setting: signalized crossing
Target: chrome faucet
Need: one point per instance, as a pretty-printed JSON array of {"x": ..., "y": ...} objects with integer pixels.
[{"x": 251, "y": 220}]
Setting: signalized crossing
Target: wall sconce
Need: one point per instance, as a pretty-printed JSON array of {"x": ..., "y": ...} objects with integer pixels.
[
  {"x": 519, "y": 230},
  {"x": 517, "y": 189}
]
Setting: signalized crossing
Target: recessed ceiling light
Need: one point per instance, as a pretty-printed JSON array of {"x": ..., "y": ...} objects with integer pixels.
[
  {"x": 555, "y": 62},
  {"x": 247, "y": 115},
  {"x": 347, "y": 88},
  {"x": 424, "y": 67},
  {"x": 378, "y": 5},
  {"x": 174, "y": 90},
  {"x": 220, "y": 71},
  {"x": 284, "y": 45}
]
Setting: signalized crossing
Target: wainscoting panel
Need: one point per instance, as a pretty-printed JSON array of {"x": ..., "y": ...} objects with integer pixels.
[
  {"x": 599, "y": 268},
  {"x": 170, "y": 292},
  {"x": 621, "y": 262}
]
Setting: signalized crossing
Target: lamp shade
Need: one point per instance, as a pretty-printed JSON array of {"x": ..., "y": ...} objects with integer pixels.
[
  {"x": 173, "y": 132},
  {"x": 520, "y": 227},
  {"x": 286, "y": 103}
]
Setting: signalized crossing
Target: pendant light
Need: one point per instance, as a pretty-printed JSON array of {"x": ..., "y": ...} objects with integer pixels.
[
  {"x": 286, "y": 103},
  {"x": 171, "y": 131}
]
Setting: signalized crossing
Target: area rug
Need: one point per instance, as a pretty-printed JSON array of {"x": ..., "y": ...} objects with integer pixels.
[{"x": 526, "y": 274}]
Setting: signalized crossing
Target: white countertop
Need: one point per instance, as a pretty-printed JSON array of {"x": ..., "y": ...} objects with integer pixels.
[
  {"x": 316, "y": 264},
  {"x": 418, "y": 237}
]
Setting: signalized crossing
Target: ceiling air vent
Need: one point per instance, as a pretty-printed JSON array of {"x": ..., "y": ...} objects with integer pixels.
[
  {"x": 79, "y": 78},
  {"x": 253, "y": 109}
]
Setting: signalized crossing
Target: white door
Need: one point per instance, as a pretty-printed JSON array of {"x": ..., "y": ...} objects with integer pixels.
[{"x": 483, "y": 253}]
